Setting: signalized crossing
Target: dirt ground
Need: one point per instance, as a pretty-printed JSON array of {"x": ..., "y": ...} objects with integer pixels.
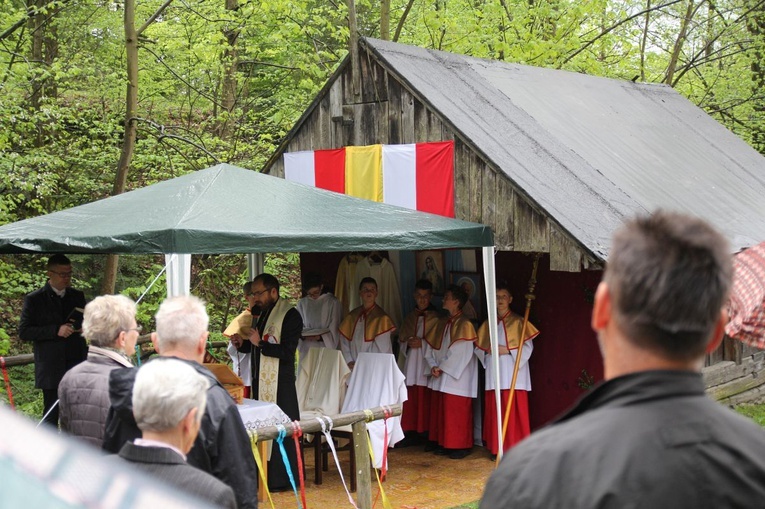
[{"x": 416, "y": 480}]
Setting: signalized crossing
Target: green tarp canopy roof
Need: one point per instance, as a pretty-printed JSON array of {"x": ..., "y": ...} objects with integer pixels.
[{"x": 226, "y": 209}]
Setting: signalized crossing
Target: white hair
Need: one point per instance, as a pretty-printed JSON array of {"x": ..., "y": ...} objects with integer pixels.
[
  {"x": 181, "y": 321},
  {"x": 105, "y": 317},
  {"x": 165, "y": 391}
]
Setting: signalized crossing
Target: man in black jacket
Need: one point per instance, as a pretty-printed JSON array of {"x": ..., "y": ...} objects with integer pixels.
[
  {"x": 222, "y": 447},
  {"x": 648, "y": 436},
  {"x": 169, "y": 399},
  {"x": 50, "y": 320},
  {"x": 273, "y": 343}
]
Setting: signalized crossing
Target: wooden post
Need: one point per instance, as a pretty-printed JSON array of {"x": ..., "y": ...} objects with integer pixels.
[
  {"x": 263, "y": 448},
  {"x": 363, "y": 471}
]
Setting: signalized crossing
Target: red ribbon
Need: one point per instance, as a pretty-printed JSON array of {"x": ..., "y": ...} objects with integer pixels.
[
  {"x": 7, "y": 382},
  {"x": 386, "y": 414},
  {"x": 296, "y": 437}
]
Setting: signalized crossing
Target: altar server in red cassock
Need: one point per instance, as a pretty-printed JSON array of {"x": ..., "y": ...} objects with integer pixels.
[
  {"x": 420, "y": 324},
  {"x": 453, "y": 374},
  {"x": 509, "y": 331}
]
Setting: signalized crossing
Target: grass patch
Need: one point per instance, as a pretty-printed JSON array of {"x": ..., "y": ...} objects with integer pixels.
[
  {"x": 754, "y": 412},
  {"x": 471, "y": 505}
]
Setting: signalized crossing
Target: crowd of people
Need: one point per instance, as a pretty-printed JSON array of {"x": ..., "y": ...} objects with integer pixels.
[{"x": 647, "y": 436}]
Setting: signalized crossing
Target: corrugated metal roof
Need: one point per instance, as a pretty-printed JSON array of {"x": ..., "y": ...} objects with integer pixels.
[{"x": 591, "y": 151}]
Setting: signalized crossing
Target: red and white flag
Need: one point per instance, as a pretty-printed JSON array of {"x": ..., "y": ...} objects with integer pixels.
[{"x": 416, "y": 176}]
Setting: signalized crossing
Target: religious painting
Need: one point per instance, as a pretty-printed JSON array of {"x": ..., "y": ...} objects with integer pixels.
[
  {"x": 430, "y": 266},
  {"x": 472, "y": 283}
]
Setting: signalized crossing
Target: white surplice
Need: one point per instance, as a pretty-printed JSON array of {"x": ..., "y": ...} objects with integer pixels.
[
  {"x": 414, "y": 365},
  {"x": 352, "y": 349},
  {"x": 322, "y": 313},
  {"x": 458, "y": 365}
]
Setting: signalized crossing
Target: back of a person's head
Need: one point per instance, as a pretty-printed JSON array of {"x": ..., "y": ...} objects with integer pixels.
[
  {"x": 669, "y": 275},
  {"x": 181, "y": 321},
  {"x": 165, "y": 391},
  {"x": 105, "y": 317}
]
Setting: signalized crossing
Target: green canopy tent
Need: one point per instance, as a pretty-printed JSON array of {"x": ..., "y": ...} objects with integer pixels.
[{"x": 210, "y": 212}]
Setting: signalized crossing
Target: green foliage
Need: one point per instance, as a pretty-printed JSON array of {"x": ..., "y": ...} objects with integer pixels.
[{"x": 286, "y": 268}]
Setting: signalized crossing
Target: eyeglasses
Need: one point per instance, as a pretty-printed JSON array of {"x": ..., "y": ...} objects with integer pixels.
[
  {"x": 61, "y": 274},
  {"x": 137, "y": 328},
  {"x": 258, "y": 294}
]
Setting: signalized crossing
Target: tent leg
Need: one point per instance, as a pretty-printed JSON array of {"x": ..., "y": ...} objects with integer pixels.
[
  {"x": 178, "y": 274},
  {"x": 256, "y": 263},
  {"x": 490, "y": 282}
]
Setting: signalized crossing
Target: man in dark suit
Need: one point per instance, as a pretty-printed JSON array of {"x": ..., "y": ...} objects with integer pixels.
[
  {"x": 49, "y": 319},
  {"x": 169, "y": 399}
]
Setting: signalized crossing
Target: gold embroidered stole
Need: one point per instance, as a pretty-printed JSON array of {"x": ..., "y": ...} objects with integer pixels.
[
  {"x": 376, "y": 322},
  {"x": 459, "y": 327},
  {"x": 268, "y": 374},
  {"x": 513, "y": 325},
  {"x": 409, "y": 327}
]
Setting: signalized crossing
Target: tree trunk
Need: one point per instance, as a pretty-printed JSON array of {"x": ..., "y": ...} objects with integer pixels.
[
  {"x": 402, "y": 20},
  {"x": 128, "y": 140},
  {"x": 756, "y": 27},
  {"x": 644, "y": 39},
  {"x": 230, "y": 65},
  {"x": 354, "y": 49},
  {"x": 385, "y": 20},
  {"x": 678, "y": 47}
]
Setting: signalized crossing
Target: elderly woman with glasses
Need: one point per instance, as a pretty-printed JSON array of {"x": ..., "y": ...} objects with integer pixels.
[{"x": 110, "y": 327}]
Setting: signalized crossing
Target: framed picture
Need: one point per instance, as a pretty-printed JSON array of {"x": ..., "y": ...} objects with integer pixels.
[
  {"x": 472, "y": 283},
  {"x": 430, "y": 266}
]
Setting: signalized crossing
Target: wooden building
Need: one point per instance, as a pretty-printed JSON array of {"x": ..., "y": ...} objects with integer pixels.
[{"x": 553, "y": 162}]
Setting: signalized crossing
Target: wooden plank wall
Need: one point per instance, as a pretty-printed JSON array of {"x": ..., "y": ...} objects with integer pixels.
[{"x": 386, "y": 112}]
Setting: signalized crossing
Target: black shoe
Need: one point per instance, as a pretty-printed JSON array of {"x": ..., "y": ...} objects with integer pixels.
[
  {"x": 431, "y": 446},
  {"x": 410, "y": 439},
  {"x": 458, "y": 454},
  {"x": 493, "y": 457},
  {"x": 440, "y": 451}
]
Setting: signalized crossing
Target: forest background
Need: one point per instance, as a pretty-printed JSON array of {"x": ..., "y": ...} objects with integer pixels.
[{"x": 98, "y": 97}]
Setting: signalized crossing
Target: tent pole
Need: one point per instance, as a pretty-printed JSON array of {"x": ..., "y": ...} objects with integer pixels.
[
  {"x": 255, "y": 265},
  {"x": 490, "y": 282},
  {"x": 178, "y": 274}
]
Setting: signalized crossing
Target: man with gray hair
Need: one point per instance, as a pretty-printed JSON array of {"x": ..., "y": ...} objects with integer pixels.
[
  {"x": 169, "y": 399},
  {"x": 648, "y": 436},
  {"x": 110, "y": 327},
  {"x": 222, "y": 448}
]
